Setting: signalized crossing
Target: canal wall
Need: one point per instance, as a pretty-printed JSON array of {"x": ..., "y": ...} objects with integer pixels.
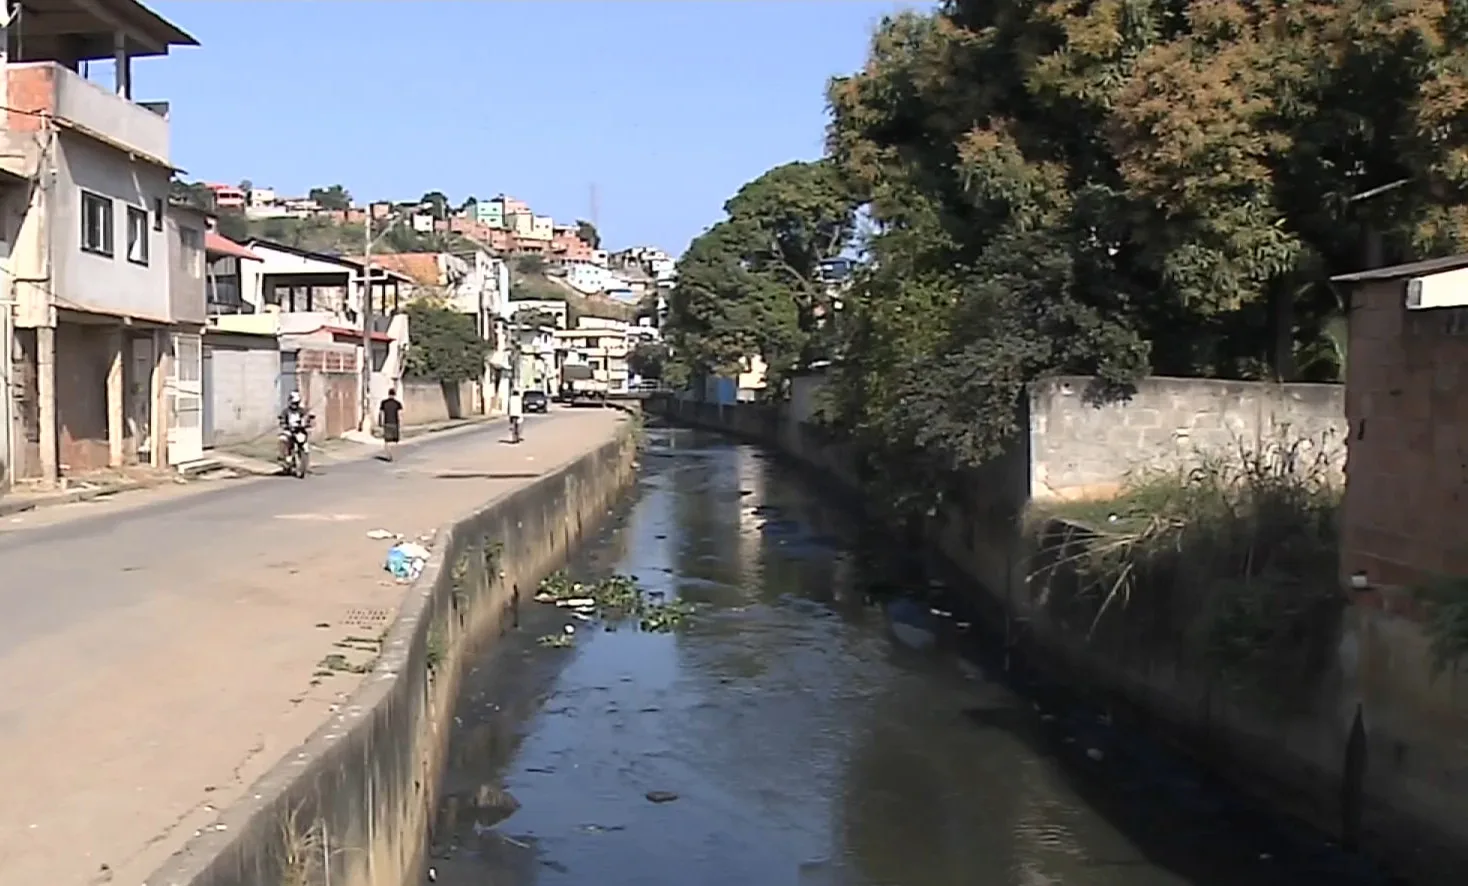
[
  {"x": 1369, "y": 749},
  {"x": 352, "y": 806}
]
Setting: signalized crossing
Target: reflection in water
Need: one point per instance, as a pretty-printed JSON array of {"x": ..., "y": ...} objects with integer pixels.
[{"x": 803, "y": 744}]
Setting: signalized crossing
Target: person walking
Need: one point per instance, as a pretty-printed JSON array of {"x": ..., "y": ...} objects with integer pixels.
[
  {"x": 389, "y": 418},
  {"x": 517, "y": 415}
]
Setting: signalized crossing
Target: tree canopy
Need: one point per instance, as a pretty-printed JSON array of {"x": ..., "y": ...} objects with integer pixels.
[
  {"x": 445, "y": 346},
  {"x": 752, "y": 283},
  {"x": 333, "y": 197},
  {"x": 1110, "y": 188}
]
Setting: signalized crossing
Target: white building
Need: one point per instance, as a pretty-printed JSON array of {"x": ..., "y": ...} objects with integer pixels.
[
  {"x": 588, "y": 277},
  {"x": 102, "y": 308}
]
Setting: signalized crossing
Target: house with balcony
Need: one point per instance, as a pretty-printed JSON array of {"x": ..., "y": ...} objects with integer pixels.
[
  {"x": 313, "y": 303},
  {"x": 601, "y": 344},
  {"x": 105, "y": 362}
]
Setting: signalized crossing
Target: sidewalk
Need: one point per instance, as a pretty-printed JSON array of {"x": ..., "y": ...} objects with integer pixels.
[{"x": 154, "y": 662}]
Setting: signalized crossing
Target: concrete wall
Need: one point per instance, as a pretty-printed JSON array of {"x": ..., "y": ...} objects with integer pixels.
[
  {"x": 366, "y": 780},
  {"x": 243, "y": 387},
  {"x": 185, "y": 256},
  {"x": 1079, "y": 449},
  {"x": 425, "y": 402},
  {"x": 109, "y": 285},
  {"x": 1374, "y": 751}
]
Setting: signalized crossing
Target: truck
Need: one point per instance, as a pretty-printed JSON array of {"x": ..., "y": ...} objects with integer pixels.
[{"x": 579, "y": 384}]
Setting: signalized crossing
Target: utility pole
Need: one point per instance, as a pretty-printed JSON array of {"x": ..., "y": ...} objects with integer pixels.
[{"x": 366, "y": 426}]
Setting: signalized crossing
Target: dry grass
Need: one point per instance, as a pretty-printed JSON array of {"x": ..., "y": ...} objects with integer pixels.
[{"x": 1231, "y": 564}]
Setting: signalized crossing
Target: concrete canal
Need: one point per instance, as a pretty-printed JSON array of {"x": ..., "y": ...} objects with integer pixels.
[{"x": 787, "y": 733}]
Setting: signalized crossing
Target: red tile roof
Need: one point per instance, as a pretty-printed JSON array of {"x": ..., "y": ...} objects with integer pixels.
[{"x": 216, "y": 243}]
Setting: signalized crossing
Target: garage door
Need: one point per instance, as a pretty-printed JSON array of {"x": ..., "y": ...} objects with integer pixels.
[{"x": 243, "y": 394}]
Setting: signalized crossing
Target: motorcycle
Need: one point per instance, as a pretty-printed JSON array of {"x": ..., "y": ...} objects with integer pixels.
[{"x": 297, "y": 460}]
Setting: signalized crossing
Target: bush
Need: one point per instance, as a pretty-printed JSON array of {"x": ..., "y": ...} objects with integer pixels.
[
  {"x": 1231, "y": 566},
  {"x": 444, "y": 345}
]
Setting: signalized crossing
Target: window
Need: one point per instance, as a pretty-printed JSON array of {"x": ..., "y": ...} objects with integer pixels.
[
  {"x": 137, "y": 235},
  {"x": 96, "y": 224}
]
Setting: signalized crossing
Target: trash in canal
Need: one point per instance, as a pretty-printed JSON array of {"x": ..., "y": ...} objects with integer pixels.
[
  {"x": 661, "y": 796},
  {"x": 615, "y": 599}
]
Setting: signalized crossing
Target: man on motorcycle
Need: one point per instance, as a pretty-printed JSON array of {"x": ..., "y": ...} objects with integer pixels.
[{"x": 292, "y": 418}]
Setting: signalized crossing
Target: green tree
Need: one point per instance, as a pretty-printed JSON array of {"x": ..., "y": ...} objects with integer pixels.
[
  {"x": 588, "y": 233},
  {"x": 334, "y": 197},
  {"x": 751, "y": 284},
  {"x": 445, "y": 346},
  {"x": 1122, "y": 188},
  {"x": 647, "y": 359}
]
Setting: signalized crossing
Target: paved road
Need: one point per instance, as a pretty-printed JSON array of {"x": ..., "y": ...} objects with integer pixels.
[{"x": 156, "y": 654}]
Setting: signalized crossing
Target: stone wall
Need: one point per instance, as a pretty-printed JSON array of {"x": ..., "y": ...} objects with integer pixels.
[{"x": 360, "y": 791}]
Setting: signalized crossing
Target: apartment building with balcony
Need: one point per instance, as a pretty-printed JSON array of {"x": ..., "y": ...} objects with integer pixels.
[{"x": 101, "y": 355}]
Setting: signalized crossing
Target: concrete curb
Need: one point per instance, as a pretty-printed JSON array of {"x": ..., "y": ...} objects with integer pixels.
[
  {"x": 21, "y": 506},
  {"x": 365, "y": 783}
]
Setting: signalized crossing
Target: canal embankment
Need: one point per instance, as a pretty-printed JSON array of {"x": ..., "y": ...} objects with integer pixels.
[
  {"x": 1343, "y": 721},
  {"x": 350, "y": 806},
  {"x": 828, "y": 711}
]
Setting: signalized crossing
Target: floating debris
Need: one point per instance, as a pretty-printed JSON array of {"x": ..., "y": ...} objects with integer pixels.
[
  {"x": 557, "y": 641},
  {"x": 615, "y": 599},
  {"x": 661, "y": 796}
]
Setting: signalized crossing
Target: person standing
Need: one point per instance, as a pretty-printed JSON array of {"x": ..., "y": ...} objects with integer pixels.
[
  {"x": 389, "y": 417},
  {"x": 517, "y": 415}
]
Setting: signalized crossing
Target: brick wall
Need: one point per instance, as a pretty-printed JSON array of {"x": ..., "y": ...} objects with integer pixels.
[
  {"x": 329, "y": 382},
  {"x": 1407, "y": 405},
  {"x": 32, "y": 91}
]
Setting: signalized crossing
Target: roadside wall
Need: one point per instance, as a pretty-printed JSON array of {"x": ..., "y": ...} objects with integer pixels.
[
  {"x": 1375, "y": 753},
  {"x": 426, "y": 402},
  {"x": 1082, "y": 450},
  {"x": 360, "y": 791}
]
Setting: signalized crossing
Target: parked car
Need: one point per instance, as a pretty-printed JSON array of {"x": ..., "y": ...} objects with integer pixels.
[{"x": 536, "y": 401}]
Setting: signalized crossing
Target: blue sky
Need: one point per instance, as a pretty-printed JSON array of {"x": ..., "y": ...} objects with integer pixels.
[{"x": 668, "y": 107}]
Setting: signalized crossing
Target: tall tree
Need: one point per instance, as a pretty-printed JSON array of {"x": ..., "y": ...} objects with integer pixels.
[
  {"x": 1114, "y": 188},
  {"x": 334, "y": 197},
  {"x": 751, "y": 285}
]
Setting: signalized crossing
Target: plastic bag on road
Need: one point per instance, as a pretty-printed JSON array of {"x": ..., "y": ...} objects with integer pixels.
[{"x": 406, "y": 560}]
